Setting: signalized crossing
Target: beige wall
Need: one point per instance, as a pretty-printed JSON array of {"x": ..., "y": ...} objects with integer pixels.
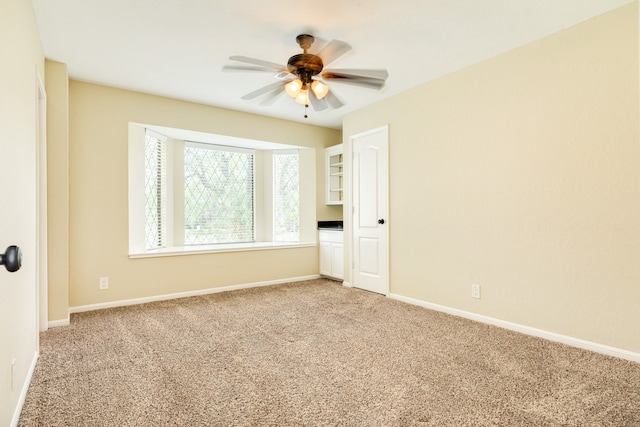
[
  {"x": 98, "y": 212},
  {"x": 528, "y": 167},
  {"x": 21, "y": 61},
  {"x": 58, "y": 188}
]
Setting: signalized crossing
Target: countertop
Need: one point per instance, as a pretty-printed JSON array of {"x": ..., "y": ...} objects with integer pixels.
[{"x": 330, "y": 225}]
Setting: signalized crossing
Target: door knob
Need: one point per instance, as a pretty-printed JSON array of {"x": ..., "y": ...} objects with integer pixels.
[
  {"x": 11, "y": 259},
  {"x": 381, "y": 221}
]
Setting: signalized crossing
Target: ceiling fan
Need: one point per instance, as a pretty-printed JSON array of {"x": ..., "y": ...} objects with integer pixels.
[{"x": 304, "y": 77}]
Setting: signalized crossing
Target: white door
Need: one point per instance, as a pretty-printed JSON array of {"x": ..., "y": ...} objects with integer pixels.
[
  {"x": 370, "y": 199},
  {"x": 18, "y": 223}
]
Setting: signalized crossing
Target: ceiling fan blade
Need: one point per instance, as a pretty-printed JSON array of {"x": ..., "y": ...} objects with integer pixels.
[
  {"x": 333, "y": 50},
  {"x": 333, "y": 100},
  {"x": 272, "y": 97},
  {"x": 372, "y": 73},
  {"x": 353, "y": 79},
  {"x": 246, "y": 68},
  {"x": 260, "y": 62},
  {"x": 317, "y": 104},
  {"x": 265, "y": 89}
]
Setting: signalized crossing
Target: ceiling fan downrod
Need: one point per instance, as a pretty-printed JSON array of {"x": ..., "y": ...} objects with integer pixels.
[{"x": 305, "y": 65}]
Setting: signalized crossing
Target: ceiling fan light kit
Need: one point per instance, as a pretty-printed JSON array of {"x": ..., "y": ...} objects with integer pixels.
[
  {"x": 297, "y": 87},
  {"x": 304, "y": 74}
]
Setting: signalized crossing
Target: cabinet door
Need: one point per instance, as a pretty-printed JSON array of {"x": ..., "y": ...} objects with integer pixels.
[
  {"x": 325, "y": 258},
  {"x": 337, "y": 260}
]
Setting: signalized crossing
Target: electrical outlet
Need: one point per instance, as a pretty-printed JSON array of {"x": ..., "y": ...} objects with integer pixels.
[
  {"x": 475, "y": 291},
  {"x": 104, "y": 283}
]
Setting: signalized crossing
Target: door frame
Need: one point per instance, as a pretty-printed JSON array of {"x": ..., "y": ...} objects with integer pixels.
[
  {"x": 42, "y": 271},
  {"x": 348, "y": 212}
]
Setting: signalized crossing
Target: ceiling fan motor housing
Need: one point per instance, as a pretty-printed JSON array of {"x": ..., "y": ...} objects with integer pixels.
[{"x": 305, "y": 66}]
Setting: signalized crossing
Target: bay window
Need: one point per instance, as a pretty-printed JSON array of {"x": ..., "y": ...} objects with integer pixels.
[{"x": 187, "y": 196}]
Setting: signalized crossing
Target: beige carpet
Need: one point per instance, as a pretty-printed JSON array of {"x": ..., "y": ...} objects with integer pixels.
[{"x": 316, "y": 354}]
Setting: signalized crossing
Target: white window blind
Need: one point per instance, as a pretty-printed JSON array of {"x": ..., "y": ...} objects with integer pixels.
[{"x": 155, "y": 184}]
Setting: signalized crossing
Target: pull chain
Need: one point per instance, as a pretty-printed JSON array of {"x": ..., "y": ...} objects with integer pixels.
[{"x": 305, "y": 110}]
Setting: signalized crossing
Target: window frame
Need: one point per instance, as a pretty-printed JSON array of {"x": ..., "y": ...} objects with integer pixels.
[{"x": 263, "y": 214}]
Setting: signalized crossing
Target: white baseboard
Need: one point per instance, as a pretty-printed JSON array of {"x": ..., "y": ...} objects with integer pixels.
[
  {"x": 25, "y": 389},
  {"x": 347, "y": 284},
  {"x": 135, "y": 301},
  {"x": 551, "y": 336},
  {"x": 59, "y": 322}
]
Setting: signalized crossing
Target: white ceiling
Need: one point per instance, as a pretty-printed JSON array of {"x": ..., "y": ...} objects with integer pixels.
[{"x": 177, "y": 48}]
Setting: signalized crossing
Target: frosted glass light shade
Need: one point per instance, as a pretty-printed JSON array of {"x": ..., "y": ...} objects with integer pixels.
[
  {"x": 293, "y": 87},
  {"x": 303, "y": 97},
  {"x": 319, "y": 89}
]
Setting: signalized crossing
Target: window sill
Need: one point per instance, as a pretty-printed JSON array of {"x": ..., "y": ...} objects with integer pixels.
[{"x": 227, "y": 247}]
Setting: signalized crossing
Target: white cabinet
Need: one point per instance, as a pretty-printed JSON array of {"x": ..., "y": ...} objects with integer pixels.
[
  {"x": 334, "y": 170},
  {"x": 331, "y": 253}
]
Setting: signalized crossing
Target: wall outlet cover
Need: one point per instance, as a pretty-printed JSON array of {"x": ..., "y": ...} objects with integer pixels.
[{"x": 475, "y": 291}]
